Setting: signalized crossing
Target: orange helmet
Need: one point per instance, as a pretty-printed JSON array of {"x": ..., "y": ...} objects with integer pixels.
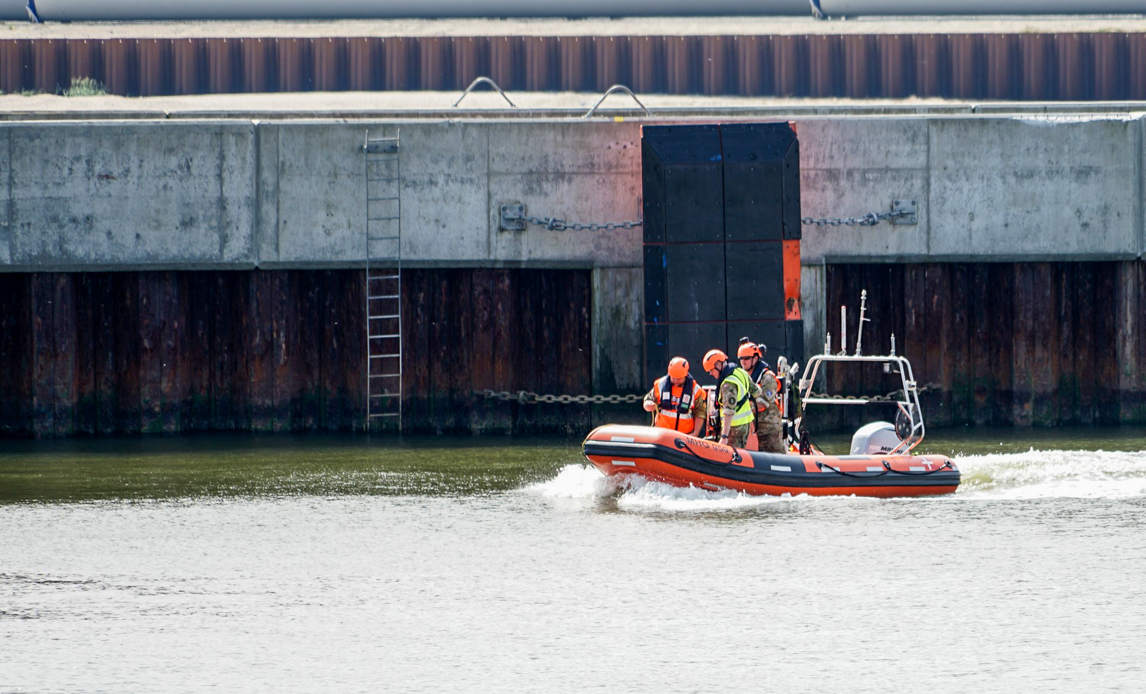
[
  {"x": 713, "y": 356},
  {"x": 747, "y": 349},
  {"x": 678, "y": 367}
]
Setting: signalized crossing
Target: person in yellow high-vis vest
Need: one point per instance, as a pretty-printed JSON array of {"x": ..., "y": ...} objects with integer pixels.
[
  {"x": 735, "y": 393},
  {"x": 768, "y": 415},
  {"x": 678, "y": 401}
]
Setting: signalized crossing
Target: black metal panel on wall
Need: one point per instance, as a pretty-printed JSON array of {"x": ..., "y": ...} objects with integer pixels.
[
  {"x": 773, "y": 334},
  {"x": 693, "y": 181},
  {"x": 656, "y": 349},
  {"x": 794, "y": 342},
  {"x": 696, "y": 279},
  {"x": 656, "y": 297},
  {"x": 653, "y": 176},
  {"x": 691, "y": 341},
  {"x": 729, "y": 195},
  {"x": 754, "y": 156},
  {"x": 755, "y": 281},
  {"x": 793, "y": 229}
]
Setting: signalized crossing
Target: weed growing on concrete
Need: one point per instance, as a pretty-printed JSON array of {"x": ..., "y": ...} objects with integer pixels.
[{"x": 85, "y": 86}]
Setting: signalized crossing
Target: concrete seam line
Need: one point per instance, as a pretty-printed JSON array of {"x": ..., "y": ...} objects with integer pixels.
[{"x": 1139, "y": 217}]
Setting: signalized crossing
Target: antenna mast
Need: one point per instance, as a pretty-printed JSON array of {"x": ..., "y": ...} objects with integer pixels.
[{"x": 862, "y": 320}]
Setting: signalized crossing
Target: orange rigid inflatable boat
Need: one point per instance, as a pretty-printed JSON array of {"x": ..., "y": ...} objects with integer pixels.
[
  {"x": 880, "y": 462},
  {"x": 682, "y": 460}
]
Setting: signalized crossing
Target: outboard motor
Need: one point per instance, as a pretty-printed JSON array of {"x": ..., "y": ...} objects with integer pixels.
[{"x": 875, "y": 439}]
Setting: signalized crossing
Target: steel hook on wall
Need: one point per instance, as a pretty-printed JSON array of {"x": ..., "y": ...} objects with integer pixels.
[
  {"x": 483, "y": 80},
  {"x": 618, "y": 88}
]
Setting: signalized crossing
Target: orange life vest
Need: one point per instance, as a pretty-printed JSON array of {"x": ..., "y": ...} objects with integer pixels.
[{"x": 675, "y": 403}]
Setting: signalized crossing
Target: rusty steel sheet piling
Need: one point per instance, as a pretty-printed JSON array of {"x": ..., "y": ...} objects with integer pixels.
[
  {"x": 1034, "y": 66},
  {"x": 165, "y": 352},
  {"x": 1023, "y": 344}
]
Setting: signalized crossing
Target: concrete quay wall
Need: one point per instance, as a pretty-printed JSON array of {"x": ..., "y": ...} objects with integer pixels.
[
  {"x": 217, "y": 194},
  {"x": 237, "y": 193},
  {"x": 1002, "y": 202}
]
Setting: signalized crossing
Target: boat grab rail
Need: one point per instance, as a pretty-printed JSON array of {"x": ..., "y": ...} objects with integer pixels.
[
  {"x": 944, "y": 466},
  {"x": 839, "y": 471}
]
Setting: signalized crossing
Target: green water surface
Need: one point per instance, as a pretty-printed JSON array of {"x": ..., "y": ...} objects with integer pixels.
[{"x": 242, "y": 465}]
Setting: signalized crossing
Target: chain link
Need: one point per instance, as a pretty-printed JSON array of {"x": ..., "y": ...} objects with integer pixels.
[
  {"x": 528, "y": 397},
  {"x": 867, "y": 220},
  {"x": 555, "y": 224},
  {"x": 893, "y": 396}
]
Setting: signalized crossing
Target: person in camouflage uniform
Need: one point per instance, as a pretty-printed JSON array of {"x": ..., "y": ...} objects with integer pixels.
[
  {"x": 768, "y": 404},
  {"x": 735, "y": 393},
  {"x": 768, "y": 415}
]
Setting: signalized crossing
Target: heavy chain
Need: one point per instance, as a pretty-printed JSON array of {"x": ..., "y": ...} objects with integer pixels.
[
  {"x": 867, "y": 220},
  {"x": 555, "y": 224},
  {"x": 893, "y": 396},
  {"x": 528, "y": 397}
]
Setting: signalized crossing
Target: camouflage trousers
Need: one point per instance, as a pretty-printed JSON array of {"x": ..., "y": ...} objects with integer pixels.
[
  {"x": 768, "y": 432},
  {"x": 738, "y": 435}
]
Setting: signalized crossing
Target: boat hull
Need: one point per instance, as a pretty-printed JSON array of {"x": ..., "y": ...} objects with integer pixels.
[{"x": 681, "y": 460}]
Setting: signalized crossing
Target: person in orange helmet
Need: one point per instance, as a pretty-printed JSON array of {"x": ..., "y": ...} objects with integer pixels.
[
  {"x": 678, "y": 401},
  {"x": 751, "y": 358},
  {"x": 735, "y": 393},
  {"x": 768, "y": 417}
]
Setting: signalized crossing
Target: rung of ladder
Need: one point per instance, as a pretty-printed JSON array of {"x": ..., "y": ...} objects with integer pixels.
[
  {"x": 381, "y": 199},
  {"x": 386, "y": 395},
  {"x": 385, "y": 356},
  {"x": 383, "y": 337},
  {"x": 385, "y": 277},
  {"x": 381, "y": 219},
  {"x": 388, "y": 315},
  {"x": 381, "y": 238},
  {"x": 385, "y": 414},
  {"x": 384, "y": 146},
  {"x": 385, "y": 375},
  {"x": 383, "y": 296}
]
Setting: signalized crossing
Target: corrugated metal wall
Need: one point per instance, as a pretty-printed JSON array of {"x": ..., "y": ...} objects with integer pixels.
[
  {"x": 163, "y": 352},
  {"x": 1005, "y": 343},
  {"x": 1044, "y": 67}
]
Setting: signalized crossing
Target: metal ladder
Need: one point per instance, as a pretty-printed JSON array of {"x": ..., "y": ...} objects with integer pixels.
[{"x": 383, "y": 280}]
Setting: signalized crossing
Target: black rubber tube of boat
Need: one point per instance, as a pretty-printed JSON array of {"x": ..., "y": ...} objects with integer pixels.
[
  {"x": 944, "y": 466},
  {"x": 850, "y": 474}
]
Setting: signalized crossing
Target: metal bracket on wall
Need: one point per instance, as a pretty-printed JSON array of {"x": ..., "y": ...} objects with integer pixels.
[
  {"x": 611, "y": 90},
  {"x": 904, "y": 212},
  {"x": 483, "y": 80},
  {"x": 512, "y": 217},
  {"x": 385, "y": 145}
]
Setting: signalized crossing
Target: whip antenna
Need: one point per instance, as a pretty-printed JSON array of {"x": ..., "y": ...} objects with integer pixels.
[{"x": 862, "y": 320}]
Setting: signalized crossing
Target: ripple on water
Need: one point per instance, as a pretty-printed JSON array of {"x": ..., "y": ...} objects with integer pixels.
[
  {"x": 1030, "y": 475},
  {"x": 637, "y": 493},
  {"x": 1052, "y": 474}
]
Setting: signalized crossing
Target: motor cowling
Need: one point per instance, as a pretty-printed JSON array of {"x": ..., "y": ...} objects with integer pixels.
[{"x": 876, "y": 438}]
